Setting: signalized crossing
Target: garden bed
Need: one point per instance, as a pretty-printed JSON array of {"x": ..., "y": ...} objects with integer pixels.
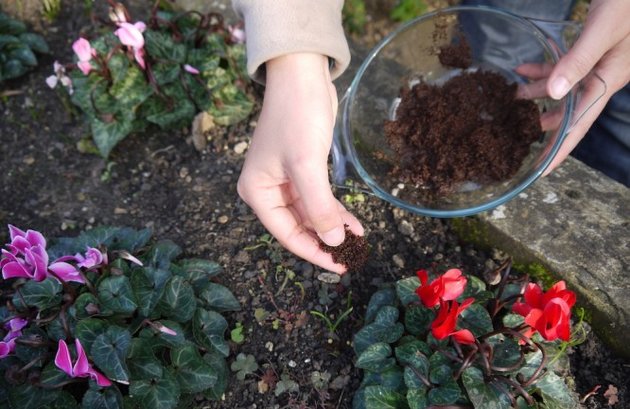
[{"x": 159, "y": 180}]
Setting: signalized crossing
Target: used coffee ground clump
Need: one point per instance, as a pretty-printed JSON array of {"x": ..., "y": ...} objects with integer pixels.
[
  {"x": 352, "y": 253},
  {"x": 470, "y": 129}
]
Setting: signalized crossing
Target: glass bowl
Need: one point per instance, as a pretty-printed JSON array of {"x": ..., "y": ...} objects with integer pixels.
[{"x": 500, "y": 42}]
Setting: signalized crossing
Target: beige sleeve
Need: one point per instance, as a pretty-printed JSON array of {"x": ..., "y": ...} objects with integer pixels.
[{"x": 278, "y": 27}]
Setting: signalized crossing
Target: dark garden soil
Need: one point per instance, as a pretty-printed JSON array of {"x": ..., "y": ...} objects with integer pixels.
[{"x": 158, "y": 180}]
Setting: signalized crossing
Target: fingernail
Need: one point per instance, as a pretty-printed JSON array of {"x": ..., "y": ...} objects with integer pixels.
[
  {"x": 333, "y": 237},
  {"x": 559, "y": 87}
]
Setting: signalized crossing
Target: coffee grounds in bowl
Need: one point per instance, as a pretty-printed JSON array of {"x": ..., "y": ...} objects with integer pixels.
[{"x": 471, "y": 129}]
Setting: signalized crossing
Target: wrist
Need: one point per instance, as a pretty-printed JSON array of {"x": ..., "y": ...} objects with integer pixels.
[{"x": 290, "y": 67}]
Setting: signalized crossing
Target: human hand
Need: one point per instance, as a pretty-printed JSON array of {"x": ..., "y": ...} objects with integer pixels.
[
  {"x": 285, "y": 175},
  {"x": 602, "y": 48}
]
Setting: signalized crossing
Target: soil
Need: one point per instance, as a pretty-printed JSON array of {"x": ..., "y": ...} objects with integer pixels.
[
  {"x": 158, "y": 180},
  {"x": 476, "y": 130}
]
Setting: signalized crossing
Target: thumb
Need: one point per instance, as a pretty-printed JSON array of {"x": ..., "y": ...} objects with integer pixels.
[
  {"x": 318, "y": 203},
  {"x": 590, "y": 47}
]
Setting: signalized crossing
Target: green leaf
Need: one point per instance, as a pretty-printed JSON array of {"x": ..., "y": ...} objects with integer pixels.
[
  {"x": 177, "y": 111},
  {"x": 43, "y": 294},
  {"x": 406, "y": 290},
  {"x": 10, "y": 25},
  {"x": 27, "y": 353},
  {"x": 142, "y": 362},
  {"x": 178, "y": 302},
  {"x": 244, "y": 365},
  {"x": 417, "y": 398},
  {"x": 88, "y": 330},
  {"x": 84, "y": 302},
  {"x": 412, "y": 378},
  {"x": 148, "y": 285},
  {"x": 162, "y": 253},
  {"x": 209, "y": 330},
  {"x": 8, "y": 40},
  {"x": 379, "y": 397},
  {"x": 506, "y": 352},
  {"x": 24, "y": 55},
  {"x": 555, "y": 392},
  {"x": 482, "y": 394},
  {"x": 166, "y": 72},
  {"x": 13, "y": 69},
  {"x": 418, "y": 319},
  {"x": 379, "y": 299},
  {"x": 197, "y": 271},
  {"x": 132, "y": 89},
  {"x": 35, "y": 42},
  {"x": 115, "y": 293},
  {"x": 220, "y": 368},
  {"x": 51, "y": 376},
  {"x": 440, "y": 370},
  {"x": 156, "y": 393},
  {"x": 385, "y": 328},
  {"x": 235, "y": 106},
  {"x": 415, "y": 354},
  {"x": 56, "y": 329},
  {"x": 192, "y": 373},
  {"x": 31, "y": 397},
  {"x": 376, "y": 357},
  {"x": 476, "y": 319},
  {"x": 159, "y": 338},
  {"x": 109, "y": 352},
  {"x": 107, "y": 134},
  {"x": 105, "y": 398},
  {"x": 445, "y": 394},
  {"x": 391, "y": 378},
  {"x": 219, "y": 298},
  {"x": 64, "y": 401},
  {"x": 161, "y": 46}
]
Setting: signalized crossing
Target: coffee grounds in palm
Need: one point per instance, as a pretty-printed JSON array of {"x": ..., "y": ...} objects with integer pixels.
[
  {"x": 470, "y": 129},
  {"x": 352, "y": 253}
]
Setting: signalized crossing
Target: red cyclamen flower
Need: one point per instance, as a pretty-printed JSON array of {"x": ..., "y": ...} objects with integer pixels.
[
  {"x": 548, "y": 313},
  {"x": 447, "y": 287},
  {"x": 446, "y": 320},
  {"x": 81, "y": 367}
]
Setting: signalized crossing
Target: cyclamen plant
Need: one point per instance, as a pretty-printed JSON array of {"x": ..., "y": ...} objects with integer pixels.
[
  {"x": 162, "y": 72},
  {"x": 109, "y": 319},
  {"x": 463, "y": 344}
]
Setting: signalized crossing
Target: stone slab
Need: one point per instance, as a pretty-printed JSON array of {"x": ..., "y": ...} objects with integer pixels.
[{"x": 575, "y": 223}]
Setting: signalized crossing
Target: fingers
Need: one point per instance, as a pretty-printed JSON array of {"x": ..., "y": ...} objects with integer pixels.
[{"x": 602, "y": 31}]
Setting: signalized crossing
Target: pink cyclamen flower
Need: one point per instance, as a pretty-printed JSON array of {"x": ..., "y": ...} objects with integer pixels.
[
  {"x": 14, "y": 330},
  {"x": 26, "y": 257},
  {"x": 93, "y": 257},
  {"x": 237, "y": 34},
  {"x": 81, "y": 368},
  {"x": 191, "y": 69},
  {"x": 84, "y": 52},
  {"x": 131, "y": 36},
  {"x": 447, "y": 287}
]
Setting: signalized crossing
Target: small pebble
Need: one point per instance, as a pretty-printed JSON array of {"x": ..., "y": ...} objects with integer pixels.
[
  {"x": 222, "y": 219},
  {"x": 240, "y": 147},
  {"x": 329, "y": 278}
]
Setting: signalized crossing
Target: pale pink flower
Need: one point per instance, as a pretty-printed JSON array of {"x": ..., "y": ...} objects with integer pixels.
[
  {"x": 237, "y": 34},
  {"x": 191, "y": 69},
  {"x": 84, "y": 52},
  {"x": 131, "y": 34}
]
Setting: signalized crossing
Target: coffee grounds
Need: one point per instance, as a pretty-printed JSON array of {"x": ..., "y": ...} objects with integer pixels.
[
  {"x": 471, "y": 129},
  {"x": 457, "y": 55},
  {"x": 352, "y": 253}
]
